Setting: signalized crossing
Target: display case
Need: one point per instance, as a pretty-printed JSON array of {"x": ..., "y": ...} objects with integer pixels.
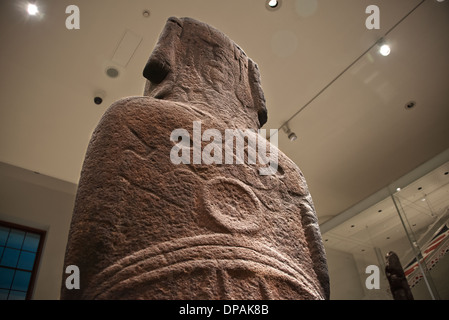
[{"x": 411, "y": 218}]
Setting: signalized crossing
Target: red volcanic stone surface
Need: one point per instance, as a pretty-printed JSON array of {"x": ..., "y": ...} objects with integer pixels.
[{"x": 146, "y": 228}]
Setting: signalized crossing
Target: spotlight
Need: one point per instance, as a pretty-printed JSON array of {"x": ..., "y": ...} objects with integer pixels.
[
  {"x": 291, "y": 135},
  {"x": 384, "y": 48},
  {"x": 32, "y": 9},
  {"x": 410, "y": 105},
  {"x": 98, "y": 100},
  {"x": 273, "y": 4},
  {"x": 99, "y": 97}
]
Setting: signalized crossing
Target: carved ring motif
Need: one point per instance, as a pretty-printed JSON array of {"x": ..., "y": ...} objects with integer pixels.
[{"x": 232, "y": 204}]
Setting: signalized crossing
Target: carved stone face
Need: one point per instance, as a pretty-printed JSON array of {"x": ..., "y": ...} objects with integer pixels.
[{"x": 195, "y": 62}]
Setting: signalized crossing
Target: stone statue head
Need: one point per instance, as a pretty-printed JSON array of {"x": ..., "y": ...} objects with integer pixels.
[{"x": 194, "y": 62}]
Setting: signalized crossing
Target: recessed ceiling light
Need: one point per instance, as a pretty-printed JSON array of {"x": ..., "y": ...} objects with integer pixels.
[
  {"x": 273, "y": 4},
  {"x": 398, "y": 189},
  {"x": 410, "y": 105},
  {"x": 99, "y": 97},
  {"x": 146, "y": 13},
  {"x": 98, "y": 100},
  {"x": 32, "y": 9},
  {"x": 385, "y": 50}
]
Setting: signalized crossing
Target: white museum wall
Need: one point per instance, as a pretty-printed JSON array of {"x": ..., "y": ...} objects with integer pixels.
[
  {"x": 41, "y": 202},
  {"x": 344, "y": 277}
]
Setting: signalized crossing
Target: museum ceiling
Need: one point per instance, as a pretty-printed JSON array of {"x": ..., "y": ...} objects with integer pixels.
[{"x": 320, "y": 67}]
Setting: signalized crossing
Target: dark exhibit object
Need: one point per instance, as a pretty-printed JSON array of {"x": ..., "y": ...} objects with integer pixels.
[
  {"x": 399, "y": 286},
  {"x": 146, "y": 228}
]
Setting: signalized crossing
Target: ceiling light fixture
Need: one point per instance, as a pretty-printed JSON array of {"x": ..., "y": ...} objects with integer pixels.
[
  {"x": 273, "y": 4},
  {"x": 410, "y": 105},
  {"x": 99, "y": 97},
  {"x": 112, "y": 72},
  {"x": 32, "y": 9},
  {"x": 291, "y": 135},
  {"x": 384, "y": 48}
]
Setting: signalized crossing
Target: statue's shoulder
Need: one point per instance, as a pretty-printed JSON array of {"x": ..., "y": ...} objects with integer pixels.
[
  {"x": 163, "y": 114},
  {"x": 146, "y": 105},
  {"x": 148, "y": 112}
]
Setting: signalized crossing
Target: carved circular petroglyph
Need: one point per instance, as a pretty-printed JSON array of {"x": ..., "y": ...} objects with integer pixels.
[{"x": 232, "y": 204}]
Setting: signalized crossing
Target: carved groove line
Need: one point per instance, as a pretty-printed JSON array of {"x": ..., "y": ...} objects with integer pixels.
[
  {"x": 183, "y": 254},
  {"x": 158, "y": 197}
]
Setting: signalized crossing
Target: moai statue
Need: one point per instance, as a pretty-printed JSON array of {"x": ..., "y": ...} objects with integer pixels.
[
  {"x": 160, "y": 212},
  {"x": 399, "y": 286}
]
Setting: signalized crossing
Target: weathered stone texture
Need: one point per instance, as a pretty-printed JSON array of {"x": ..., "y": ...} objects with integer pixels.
[{"x": 145, "y": 228}]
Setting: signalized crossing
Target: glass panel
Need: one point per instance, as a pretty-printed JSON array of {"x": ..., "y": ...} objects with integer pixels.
[
  {"x": 31, "y": 242},
  {"x": 10, "y": 257},
  {"x": 413, "y": 222},
  {"x": 15, "y": 239},
  {"x": 3, "y": 235},
  {"x": 6, "y": 276},
  {"x": 21, "y": 280},
  {"x": 359, "y": 244},
  {"x": 17, "y": 295},
  {"x": 424, "y": 205},
  {"x": 26, "y": 260}
]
